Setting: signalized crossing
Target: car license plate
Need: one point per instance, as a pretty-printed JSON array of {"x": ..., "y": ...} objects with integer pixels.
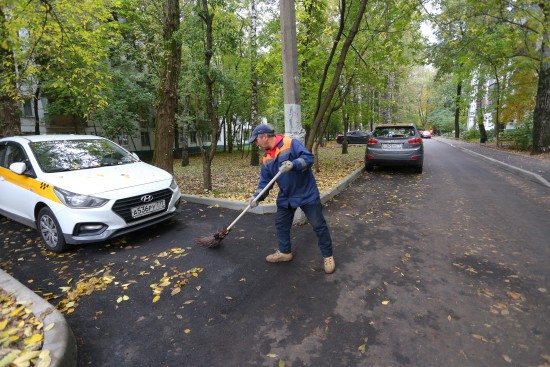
[
  {"x": 392, "y": 146},
  {"x": 140, "y": 211}
]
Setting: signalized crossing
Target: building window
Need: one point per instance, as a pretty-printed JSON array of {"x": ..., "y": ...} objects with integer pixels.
[
  {"x": 123, "y": 140},
  {"x": 145, "y": 142},
  {"x": 27, "y": 108}
]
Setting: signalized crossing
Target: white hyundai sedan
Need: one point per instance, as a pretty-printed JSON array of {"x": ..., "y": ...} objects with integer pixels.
[{"x": 77, "y": 189}]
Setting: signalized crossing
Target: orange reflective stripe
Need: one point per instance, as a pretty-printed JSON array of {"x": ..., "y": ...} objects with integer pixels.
[{"x": 286, "y": 145}]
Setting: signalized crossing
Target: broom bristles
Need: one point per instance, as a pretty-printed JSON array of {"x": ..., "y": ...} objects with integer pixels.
[{"x": 211, "y": 241}]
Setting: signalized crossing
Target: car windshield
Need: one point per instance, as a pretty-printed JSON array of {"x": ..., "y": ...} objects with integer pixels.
[
  {"x": 394, "y": 132},
  {"x": 69, "y": 155}
]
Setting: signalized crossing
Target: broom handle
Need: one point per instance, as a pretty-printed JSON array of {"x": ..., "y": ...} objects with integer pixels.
[{"x": 270, "y": 183}]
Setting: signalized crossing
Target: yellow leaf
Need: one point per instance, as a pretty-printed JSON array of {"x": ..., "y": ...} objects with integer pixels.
[
  {"x": 119, "y": 299},
  {"x": 272, "y": 355},
  {"x": 49, "y": 327},
  {"x": 449, "y": 318},
  {"x": 17, "y": 311},
  {"x": 281, "y": 363},
  {"x": 187, "y": 331},
  {"x": 362, "y": 348},
  {"x": 188, "y": 302},
  {"x": 33, "y": 339},
  {"x": 175, "y": 291},
  {"x": 385, "y": 302},
  {"x": 156, "y": 299},
  {"x": 3, "y": 324}
]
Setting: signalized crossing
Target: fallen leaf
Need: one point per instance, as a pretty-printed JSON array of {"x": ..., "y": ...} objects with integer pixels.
[{"x": 385, "y": 302}]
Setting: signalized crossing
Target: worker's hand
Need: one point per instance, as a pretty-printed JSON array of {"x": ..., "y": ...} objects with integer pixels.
[
  {"x": 286, "y": 166},
  {"x": 252, "y": 202}
]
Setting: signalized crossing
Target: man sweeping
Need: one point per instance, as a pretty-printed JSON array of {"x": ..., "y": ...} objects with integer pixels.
[{"x": 297, "y": 189}]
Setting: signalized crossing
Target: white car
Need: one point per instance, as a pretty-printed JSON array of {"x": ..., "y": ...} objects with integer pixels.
[{"x": 77, "y": 189}]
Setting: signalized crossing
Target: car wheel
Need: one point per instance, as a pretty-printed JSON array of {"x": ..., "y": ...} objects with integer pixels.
[
  {"x": 369, "y": 167},
  {"x": 50, "y": 231},
  {"x": 418, "y": 169}
]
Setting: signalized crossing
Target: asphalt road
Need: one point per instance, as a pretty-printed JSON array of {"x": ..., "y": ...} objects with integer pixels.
[{"x": 445, "y": 268}]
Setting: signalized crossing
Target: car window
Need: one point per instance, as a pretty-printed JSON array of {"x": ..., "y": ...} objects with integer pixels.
[
  {"x": 12, "y": 153},
  {"x": 69, "y": 155},
  {"x": 394, "y": 132}
]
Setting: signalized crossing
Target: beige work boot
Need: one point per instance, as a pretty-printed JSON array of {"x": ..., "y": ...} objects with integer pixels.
[
  {"x": 329, "y": 264},
  {"x": 278, "y": 256}
]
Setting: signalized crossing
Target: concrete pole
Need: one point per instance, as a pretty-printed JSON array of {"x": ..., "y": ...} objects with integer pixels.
[{"x": 291, "y": 83}]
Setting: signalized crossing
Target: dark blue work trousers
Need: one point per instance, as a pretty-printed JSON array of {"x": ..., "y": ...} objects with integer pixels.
[{"x": 314, "y": 213}]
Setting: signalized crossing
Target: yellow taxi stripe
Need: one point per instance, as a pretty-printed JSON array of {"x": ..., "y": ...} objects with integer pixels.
[{"x": 40, "y": 188}]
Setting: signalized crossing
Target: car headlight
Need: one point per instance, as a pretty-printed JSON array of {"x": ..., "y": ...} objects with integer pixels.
[
  {"x": 174, "y": 185},
  {"x": 73, "y": 200}
]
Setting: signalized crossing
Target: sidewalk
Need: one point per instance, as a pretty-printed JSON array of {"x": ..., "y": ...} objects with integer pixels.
[{"x": 532, "y": 168}]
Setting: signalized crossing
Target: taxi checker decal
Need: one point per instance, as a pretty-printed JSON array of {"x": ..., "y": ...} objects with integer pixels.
[{"x": 28, "y": 183}]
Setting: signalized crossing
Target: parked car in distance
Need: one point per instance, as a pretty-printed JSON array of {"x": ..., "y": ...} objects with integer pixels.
[
  {"x": 394, "y": 145},
  {"x": 426, "y": 134},
  {"x": 354, "y": 137},
  {"x": 77, "y": 189}
]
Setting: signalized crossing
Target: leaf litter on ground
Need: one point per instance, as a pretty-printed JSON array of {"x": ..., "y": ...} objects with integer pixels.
[{"x": 233, "y": 178}]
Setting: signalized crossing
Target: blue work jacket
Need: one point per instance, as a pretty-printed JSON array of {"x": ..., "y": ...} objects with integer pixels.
[{"x": 297, "y": 187}]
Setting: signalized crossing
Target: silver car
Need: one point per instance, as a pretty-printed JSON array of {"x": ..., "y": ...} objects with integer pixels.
[{"x": 395, "y": 145}]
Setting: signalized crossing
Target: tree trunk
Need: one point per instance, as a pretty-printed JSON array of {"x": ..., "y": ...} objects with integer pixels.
[
  {"x": 480, "y": 112},
  {"x": 36, "y": 116},
  {"x": 336, "y": 77},
  {"x": 168, "y": 87},
  {"x": 541, "y": 115},
  {"x": 255, "y": 152},
  {"x": 457, "y": 109},
  {"x": 185, "y": 133},
  {"x": 209, "y": 81}
]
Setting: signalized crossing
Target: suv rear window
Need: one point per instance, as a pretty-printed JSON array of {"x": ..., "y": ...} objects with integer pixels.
[{"x": 393, "y": 132}]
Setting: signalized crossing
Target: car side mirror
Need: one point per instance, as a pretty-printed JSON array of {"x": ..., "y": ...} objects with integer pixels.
[{"x": 18, "y": 167}]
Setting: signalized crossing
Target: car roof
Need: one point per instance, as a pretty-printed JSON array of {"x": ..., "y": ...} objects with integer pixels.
[
  {"x": 53, "y": 137},
  {"x": 395, "y": 125}
]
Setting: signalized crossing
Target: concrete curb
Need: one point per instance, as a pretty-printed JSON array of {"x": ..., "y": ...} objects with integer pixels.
[
  {"x": 59, "y": 340},
  {"x": 267, "y": 208},
  {"x": 519, "y": 171}
]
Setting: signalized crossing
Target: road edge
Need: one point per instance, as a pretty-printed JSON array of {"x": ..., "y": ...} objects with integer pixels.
[{"x": 519, "y": 171}]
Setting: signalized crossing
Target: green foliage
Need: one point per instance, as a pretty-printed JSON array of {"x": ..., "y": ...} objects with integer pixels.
[
  {"x": 62, "y": 45},
  {"x": 471, "y": 135}
]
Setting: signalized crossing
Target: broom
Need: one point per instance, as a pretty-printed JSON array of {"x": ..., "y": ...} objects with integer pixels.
[{"x": 215, "y": 240}]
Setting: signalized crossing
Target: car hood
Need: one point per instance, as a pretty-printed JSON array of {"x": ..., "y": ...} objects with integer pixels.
[{"x": 95, "y": 181}]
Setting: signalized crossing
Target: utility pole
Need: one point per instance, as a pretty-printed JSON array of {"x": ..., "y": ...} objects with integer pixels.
[{"x": 291, "y": 83}]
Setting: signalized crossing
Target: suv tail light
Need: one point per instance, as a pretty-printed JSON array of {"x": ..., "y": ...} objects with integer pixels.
[
  {"x": 415, "y": 141},
  {"x": 372, "y": 141}
]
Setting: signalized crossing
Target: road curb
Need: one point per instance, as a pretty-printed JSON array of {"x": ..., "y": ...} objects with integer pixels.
[
  {"x": 267, "y": 208},
  {"x": 59, "y": 340},
  {"x": 519, "y": 171}
]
